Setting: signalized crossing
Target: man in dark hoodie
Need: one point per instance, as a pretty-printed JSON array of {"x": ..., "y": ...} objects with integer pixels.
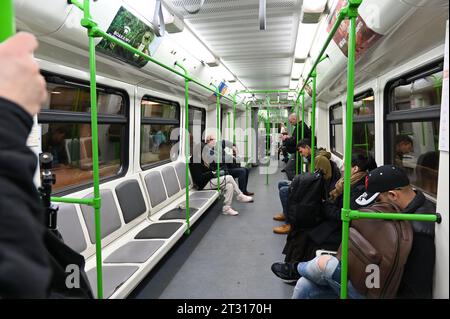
[{"x": 32, "y": 258}]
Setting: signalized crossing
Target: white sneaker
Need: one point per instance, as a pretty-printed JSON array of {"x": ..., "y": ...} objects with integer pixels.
[
  {"x": 244, "y": 198},
  {"x": 229, "y": 211}
]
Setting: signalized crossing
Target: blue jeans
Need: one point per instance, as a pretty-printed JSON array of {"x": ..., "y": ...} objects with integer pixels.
[
  {"x": 241, "y": 173},
  {"x": 318, "y": 284},
  {"x": 283, "y": 189}
]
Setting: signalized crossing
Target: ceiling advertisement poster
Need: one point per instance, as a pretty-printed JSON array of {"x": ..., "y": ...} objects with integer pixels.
[
  {"x": 365, "y": 37},
  {"x": 130, "y": 29}
]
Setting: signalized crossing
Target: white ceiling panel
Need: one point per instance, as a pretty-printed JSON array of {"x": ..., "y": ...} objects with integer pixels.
[{"x": 230, "y": 28}]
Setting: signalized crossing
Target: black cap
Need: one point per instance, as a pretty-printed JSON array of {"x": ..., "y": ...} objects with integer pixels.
[{"x": 382, "y": 179}]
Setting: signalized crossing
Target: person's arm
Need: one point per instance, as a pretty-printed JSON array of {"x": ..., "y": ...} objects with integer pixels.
[{"x": 24, "y": 264}]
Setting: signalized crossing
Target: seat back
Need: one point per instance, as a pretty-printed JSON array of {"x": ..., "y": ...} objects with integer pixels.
[
  {"x": 69, "y": 226},
  {"x": 155, "y": 189},
  {"x": 130, "y": 199},
  {"x": 110, "y": 219},
  {"x": 170, "y": 180},
  {"x": 180, "y": 168}
]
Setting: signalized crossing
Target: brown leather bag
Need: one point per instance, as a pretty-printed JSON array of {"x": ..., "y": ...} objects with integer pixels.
[{"x": 385, "y": 243}]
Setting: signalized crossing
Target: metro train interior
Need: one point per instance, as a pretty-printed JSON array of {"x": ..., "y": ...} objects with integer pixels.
[{"x": 138, "y": 90}]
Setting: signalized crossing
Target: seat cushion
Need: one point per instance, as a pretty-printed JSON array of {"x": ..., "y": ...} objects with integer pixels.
[
  {"x": 194, "y": 203},
  {"x": 135, "y": 251},
  {"x": 113, "y": 278},
  {"x": 178, "y": 213},
  {"x": 159, "y": 230},
  {"x": 203, "y": 194}
]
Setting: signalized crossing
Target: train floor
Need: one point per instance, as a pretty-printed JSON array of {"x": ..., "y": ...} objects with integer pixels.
[{"x": 225, "y": 257}]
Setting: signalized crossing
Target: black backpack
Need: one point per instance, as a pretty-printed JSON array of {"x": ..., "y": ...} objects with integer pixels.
[{"x": 306, "y": 193}]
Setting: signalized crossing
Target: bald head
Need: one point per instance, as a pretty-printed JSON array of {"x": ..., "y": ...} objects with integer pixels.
[{"x": 293, "y": 118}]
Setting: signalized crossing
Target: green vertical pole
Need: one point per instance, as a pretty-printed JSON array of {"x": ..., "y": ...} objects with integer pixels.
[
  {"x": 234, "y": 119},
  {"x": 228, "y": 121},
  {"x": 313, "y": 121},
  {"x": 186, "y": 143},
  {"x": 7, "y": 20},
  {"x": 352, "y": 14},
  {"x": 303, "y": 126},
  {"x": 296, "y": 138},
  {"x": 218, "y": 145},
  {"x": 89, "y": 24},
  {"x": 267, "y": 144},
  {"x": 246, "y": 133}
]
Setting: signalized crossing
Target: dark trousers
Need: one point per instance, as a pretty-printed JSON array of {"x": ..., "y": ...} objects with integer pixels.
[{"x": 241, "y": 173}]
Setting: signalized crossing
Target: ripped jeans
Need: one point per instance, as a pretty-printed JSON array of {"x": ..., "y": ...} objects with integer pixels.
[{"x": 318, "y": 284}]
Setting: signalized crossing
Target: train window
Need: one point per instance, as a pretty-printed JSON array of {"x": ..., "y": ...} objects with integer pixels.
[
  {"x": 364, "y": 123},
  {"x": 77, "y": 99},
  {"x": 66, "y": 133},
  {"x": 197, "y": 124},
  {"x": 160, "y": 124},
  {"x": 413, "y": 115},
  {"x": 336, "y": 133}
]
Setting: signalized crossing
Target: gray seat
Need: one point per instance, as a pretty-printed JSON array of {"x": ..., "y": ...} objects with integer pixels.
[
  {"x": 155, "y": 188},
  {"x": 159, "y": 230},
  {"x": 203, "y": 194},
  {"x": 135, "y": 252},
  {"x": 178, "y": 213},
  {"x": 113, "y": 278},
  {"x": 110, "y": 220},
  {"x": 180, "y": 168},
  {"x": 70, "y": 227},
  {"x": 194, "y": 203},
  {"x": 170, "y": 180},
  {"x": 130, "y": 199}
]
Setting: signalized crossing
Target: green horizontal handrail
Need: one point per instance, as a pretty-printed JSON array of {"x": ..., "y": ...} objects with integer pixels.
[
  {"x": 355, "y": 214},
  {"x": 100, "y": 33},
  {"x": 81, "y": 201}
]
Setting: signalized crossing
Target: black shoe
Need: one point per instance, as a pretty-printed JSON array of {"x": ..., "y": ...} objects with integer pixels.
[
  {"x": 286, "y": 271},
  {"x": 249, "y": 193}
]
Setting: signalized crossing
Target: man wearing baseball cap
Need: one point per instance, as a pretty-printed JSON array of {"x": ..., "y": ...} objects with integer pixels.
[{"x": 390, "y": 184}]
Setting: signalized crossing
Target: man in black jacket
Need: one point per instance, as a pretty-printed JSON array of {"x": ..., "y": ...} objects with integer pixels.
[
  {"x": 24, "y": 266},
  {"x": 30, "y": 254},
  {"x": 390, "y": 184}
]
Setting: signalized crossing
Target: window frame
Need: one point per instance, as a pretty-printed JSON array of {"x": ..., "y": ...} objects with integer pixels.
[
  {"x": 364, "y": 119},
  {"x": 333, "y": 123},
  {"x": 423, "y": 114},
  {"x": 52, "y": 116},
  {"x": 203, "y": 123},
  {"x": 157, "y": 121}
]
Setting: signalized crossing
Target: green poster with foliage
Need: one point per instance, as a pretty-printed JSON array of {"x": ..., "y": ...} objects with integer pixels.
[{"x": 131, "y": 30}]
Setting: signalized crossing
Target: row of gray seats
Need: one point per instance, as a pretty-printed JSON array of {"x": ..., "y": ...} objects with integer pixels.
[{"x": 142, "y": 217}]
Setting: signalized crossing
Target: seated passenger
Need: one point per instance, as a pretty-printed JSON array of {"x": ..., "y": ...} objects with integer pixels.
[
  {"x": 234, "y": 168},
  {"x": 205, "y": 177},
  {"x": 290, "y": 143},
  {"x": 322, "y": 163},
  {"x": 387, "y": 184},
  {"x": 301, "y": 245}
]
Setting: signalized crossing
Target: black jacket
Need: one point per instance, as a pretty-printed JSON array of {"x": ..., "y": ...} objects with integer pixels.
[
  {"x": 202, "y": 173},
  {"x": 24, "y": 266},
  {"x": 330, "y": 230},
  {"x": 33, "y": 260},
  {"x": 291, "y": 143},
  {"x": 417, "y": 280}
]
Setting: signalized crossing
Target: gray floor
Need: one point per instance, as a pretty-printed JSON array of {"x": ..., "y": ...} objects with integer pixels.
[{"x": 226, "y": 256}]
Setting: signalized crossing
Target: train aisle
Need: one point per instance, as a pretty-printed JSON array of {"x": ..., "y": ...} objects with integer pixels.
[{"x": 226, "y": 256}]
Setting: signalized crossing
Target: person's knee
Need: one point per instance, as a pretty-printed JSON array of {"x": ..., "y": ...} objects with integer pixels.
[{"x": 322, "y": 262}]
